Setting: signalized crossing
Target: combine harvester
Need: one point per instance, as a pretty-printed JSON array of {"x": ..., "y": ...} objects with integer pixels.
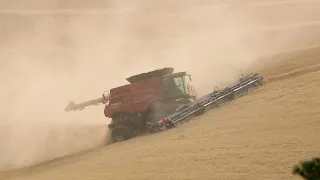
[{"x": 159, "y": 100}]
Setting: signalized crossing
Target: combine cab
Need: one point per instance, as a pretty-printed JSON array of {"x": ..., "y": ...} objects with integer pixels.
[{"x": 149, "y": 97}]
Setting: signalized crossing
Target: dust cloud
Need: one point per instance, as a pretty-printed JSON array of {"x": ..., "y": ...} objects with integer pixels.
[{"x": 51, "y": 55}]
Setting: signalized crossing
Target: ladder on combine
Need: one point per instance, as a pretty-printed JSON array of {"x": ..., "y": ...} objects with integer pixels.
[{"x": 209, "y": 101}]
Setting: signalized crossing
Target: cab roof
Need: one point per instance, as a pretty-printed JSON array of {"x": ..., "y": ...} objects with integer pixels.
[{"x": 151, "y": 74}]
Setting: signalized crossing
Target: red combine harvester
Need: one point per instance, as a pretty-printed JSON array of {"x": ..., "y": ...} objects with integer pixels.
[
  {"x": 148, "y": 98},
  {"x": 159, "y": 100}
]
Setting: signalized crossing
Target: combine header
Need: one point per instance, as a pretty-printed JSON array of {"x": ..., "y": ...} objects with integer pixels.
[
  {"x": 209, "y": 101},
  {"x": 159, "y": 100}
]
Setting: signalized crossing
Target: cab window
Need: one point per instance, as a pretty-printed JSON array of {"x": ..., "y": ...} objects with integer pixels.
[
  {"x": 180, "y": 83},
  {"x": 171, "y": 85}
]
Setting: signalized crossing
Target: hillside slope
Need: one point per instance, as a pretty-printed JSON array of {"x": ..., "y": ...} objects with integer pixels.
[
  {"x": 54, "y": 51},
  {"x": 259, "y": 136}
]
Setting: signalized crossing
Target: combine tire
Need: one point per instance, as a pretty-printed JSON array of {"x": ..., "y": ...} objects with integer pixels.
[{"x": 121, "y": 133}]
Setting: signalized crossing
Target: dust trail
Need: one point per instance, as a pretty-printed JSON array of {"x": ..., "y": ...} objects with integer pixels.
[{"x": 48, "y": 60}]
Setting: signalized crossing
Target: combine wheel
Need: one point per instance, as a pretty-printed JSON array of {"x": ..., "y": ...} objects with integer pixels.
[{"x": 121, "y": 133}]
